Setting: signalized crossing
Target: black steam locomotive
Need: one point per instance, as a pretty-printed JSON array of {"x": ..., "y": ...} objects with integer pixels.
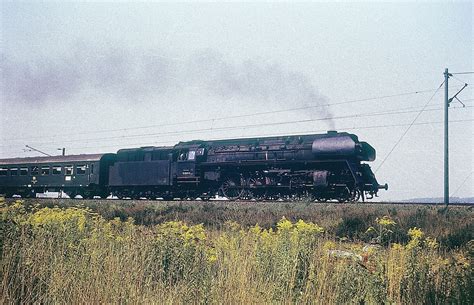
[{"x": 316, "y": 167}]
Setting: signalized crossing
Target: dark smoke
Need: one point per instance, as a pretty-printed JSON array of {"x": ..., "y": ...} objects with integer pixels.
[{"x": 136, "y": 75}]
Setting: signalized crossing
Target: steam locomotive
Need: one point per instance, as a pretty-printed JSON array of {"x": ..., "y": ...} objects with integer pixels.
[{"x": 312, "y": 167}]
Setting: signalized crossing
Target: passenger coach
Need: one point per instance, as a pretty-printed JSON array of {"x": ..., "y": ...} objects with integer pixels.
[{"x": 85, "y": 175}]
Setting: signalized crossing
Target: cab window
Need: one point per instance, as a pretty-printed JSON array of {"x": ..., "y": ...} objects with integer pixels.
[
  {"x": 191, "y": 155},
  {"x": 183, "y": 155},
  {"x": 24, "y": 171}
]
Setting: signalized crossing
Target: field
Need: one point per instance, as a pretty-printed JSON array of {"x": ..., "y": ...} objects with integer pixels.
[{"x": 102, "y": 251}]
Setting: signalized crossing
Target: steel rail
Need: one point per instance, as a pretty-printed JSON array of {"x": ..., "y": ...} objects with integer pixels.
[{"x": 440, "y": 204}]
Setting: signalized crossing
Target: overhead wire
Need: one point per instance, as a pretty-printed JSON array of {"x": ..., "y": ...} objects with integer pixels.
[
  {"x": 406, "y": 131},
  {"x": 461, "y": 185},
  {"x": 234, "y": 116},
  {"x": 214, "y": 129},
  {"x": 459, "y": 80},
  {"x": 171, "y": 142},
  {"x": 396, "y": 111}
]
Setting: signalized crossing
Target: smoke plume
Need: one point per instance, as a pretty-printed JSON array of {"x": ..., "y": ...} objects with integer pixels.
[{"x": 137, "y": 75}]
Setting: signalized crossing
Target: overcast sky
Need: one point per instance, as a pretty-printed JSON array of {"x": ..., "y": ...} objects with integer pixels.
[{"x": 97, "y": 77}]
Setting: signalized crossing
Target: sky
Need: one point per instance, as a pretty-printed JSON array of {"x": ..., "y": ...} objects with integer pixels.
[{"x": 98, "y": 77}]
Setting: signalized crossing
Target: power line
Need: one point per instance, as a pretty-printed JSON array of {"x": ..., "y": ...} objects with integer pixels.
[
  {"x": 172, "y": 142},
  {"x": 459, "y": 80},
  {"x": 213, "y": 129},
  {"x": 409, "y": 126},
  {"x": 234, "y": 116},
  {"x": 402, "y": 110},
  {"x": 459, "y": 187},
  {"x": 469, "y": 72}
]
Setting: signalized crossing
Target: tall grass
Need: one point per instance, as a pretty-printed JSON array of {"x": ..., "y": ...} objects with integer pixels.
[
  {"x": 453, "y": 227},
  {"x": 74, "y": 255}
]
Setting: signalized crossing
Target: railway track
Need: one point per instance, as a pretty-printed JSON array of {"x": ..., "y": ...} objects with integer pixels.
[{"x": 467, "y": 204}]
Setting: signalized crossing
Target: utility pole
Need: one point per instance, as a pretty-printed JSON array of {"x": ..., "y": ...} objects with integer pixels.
[
  {"x": 447, "y": 101},
  {"x": 446, "y": 150},
  {"x": 63, "y": 150}
]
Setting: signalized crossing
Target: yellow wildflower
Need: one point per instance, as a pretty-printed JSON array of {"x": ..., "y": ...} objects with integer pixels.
[
  {"x": 461, "y": 260},
  {"x": 415, "y": 233},
  {"x": 385, "y": 221},
  {"x": 397, "y": 247},
  {"x": 431, "y": 243},
  {"x": 256, "y": 230},
  {"x": 417, "y": 240},
  {"x": 284, "y": 225},
  {"x": 308, "y": 227},
  {"x": 60, "y": 218},
  {"x": 328, "y": 245},
  {"x": 232, "y": 226},
  {"x": 211, "y": 255}
]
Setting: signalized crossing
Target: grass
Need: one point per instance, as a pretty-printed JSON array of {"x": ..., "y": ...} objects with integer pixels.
[
  {"x": 453, "y": 228},
  {"x": 183, "y": 252}
]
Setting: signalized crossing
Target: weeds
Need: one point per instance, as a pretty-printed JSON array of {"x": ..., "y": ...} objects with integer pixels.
[{"x": 75, "y": 255}]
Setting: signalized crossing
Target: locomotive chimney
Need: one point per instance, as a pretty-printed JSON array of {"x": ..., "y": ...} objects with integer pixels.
[{"x": 332, "y": 131}]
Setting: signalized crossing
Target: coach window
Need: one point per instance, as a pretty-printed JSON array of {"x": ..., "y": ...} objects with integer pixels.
[
  {"x": 81, "y": 169},
  {"x": 68, "y": 170},
  {"x": 44, "y": 170},
  {"x": 14, "y": 171},
  {"x": 34, "y": 170},
  {"x": 57, "y": 170},
  {"x": 24, "y": 171},
  {"x": 3, "y": 171}
]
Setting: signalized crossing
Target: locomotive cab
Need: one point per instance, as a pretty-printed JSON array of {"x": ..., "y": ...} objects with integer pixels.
[{"x": 185, "y": 170}]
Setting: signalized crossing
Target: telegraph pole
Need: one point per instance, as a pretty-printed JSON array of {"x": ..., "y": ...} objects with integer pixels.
[{"x": 446, "y": 150}]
